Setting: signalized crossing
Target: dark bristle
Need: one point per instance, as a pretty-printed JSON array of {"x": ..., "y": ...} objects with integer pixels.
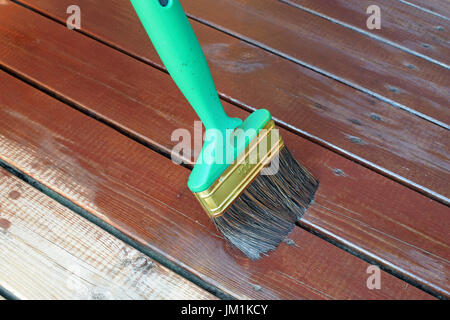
[{"x": 266, "y": 212}]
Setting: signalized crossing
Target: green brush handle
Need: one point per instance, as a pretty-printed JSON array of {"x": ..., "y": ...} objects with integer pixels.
[{"x": 178, "y": 47}]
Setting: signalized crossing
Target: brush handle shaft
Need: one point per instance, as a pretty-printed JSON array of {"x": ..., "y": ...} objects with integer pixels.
[{"x": 174, "y": 40}]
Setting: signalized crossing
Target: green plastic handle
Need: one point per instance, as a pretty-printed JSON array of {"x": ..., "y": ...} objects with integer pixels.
[{"x": 178, "y": 47}]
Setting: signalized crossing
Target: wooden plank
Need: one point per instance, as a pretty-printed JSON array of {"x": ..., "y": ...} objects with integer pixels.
[
  {"x": 49, "y": 252},
  {"x": 401, "y": 24},
  {"x": 337, "y": 51},
  {"x": 396, "y": 234},
  {"x": 366, "y": 130},
  {"x": 439, "y": 7},
  {"x": 144, "y": 195}
]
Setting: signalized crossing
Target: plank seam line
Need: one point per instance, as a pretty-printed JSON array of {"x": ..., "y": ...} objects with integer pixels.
[
  {"x": 147, "y": 251},
  {"x": 89, "y": 113},
  {"x": 379, "y": 231},
  {"x": 424, "y": 9},
  {"x": 372, "y": 259},
  {"x": 171, "y": 265},
  {"x": 91, "y": 36},
  {"x": 335, "y": 149},
  {"x": 165, "y": 154},
  {"x": 260, "y": 46},
  {"x": 368, "y": 34},
  {"x": 151, "y": 253},
  {"x": 323, "y": 72},
  {"x": 80, "y": 108},
  {"x": 368, "y": 164}
]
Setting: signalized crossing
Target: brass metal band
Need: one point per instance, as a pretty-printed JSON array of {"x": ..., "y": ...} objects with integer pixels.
[{"x": 248, "y": 165}]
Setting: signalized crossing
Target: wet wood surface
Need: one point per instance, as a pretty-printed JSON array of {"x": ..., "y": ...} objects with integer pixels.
[
  {"x": 437, "y": 7},
  {"x": 385, "y": 232},
  {"x": 117, "y": 168},
  {"x": 144, "y": 195},
  {"x": 401, "y": 25},
  {"x": 48, "y": 252},
  {"x": 334, "y": 50},
  {"x": 325, "y": 111}
]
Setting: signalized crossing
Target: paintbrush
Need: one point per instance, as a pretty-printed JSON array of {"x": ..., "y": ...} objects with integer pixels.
[{"x": 245, "y": 178}]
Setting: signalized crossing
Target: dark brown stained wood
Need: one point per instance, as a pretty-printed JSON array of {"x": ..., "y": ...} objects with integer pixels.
[
  {"x": 382, "y": 137},
  {"x": 146, "y": 103},
  {"x": 441, "y": 7},
  {"x": 400, "y": 23},
  {"x": 144, "y": 195},
  {"x": 50, "y": 252},
  {"x": 339, "y": 51}
]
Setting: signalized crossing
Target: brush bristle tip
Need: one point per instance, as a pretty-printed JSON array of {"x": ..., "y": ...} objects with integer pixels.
[{"x": 266, "y": 212}]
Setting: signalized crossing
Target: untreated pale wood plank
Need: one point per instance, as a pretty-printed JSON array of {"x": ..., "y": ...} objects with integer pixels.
[
  {"x": 388, "y": 140},
  {"x": 400, "y": 24},
  {"x": 144, "y": 195},
  {"x": 393, "y": 233},
  {"x": 49, "y": 252}
]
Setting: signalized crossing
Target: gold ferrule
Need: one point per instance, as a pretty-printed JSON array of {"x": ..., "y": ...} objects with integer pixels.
[{"x": 239, "y": 175}]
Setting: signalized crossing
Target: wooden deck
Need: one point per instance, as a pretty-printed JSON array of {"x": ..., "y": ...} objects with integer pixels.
[{"x": 92, "y": 206}]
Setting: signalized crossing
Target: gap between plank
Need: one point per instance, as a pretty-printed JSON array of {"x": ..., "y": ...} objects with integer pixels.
[
  {"x": 264, "y": 47},
  {"x": 304, "y": 134},
  {"x": 111, "y": 230},
  {"x": 7, "y": 295},
  {"x": 170, "y": 265},
  {"x": 368, "y": 34},
  {"x": 323, "y": 72},
  {"x": 424, "y": 9},
  {"x": 366, "y": 256},
  {"x": 342, "y": 152},
  {"x": 344, "y": 245},
  {"x": 90, "y": 114}
]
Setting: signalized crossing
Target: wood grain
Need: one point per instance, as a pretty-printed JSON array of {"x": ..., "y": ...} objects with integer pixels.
[
  {"x": 144, "y": 195},
  {"x": 334, "y": 50},
  {"x": 388, "y": 140},
  {"x": 441, "y": 7},
  {"x": 49, "y": 252},
  {"x": 401, "y": 24},
  {"x": 364, "y": 213}
]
